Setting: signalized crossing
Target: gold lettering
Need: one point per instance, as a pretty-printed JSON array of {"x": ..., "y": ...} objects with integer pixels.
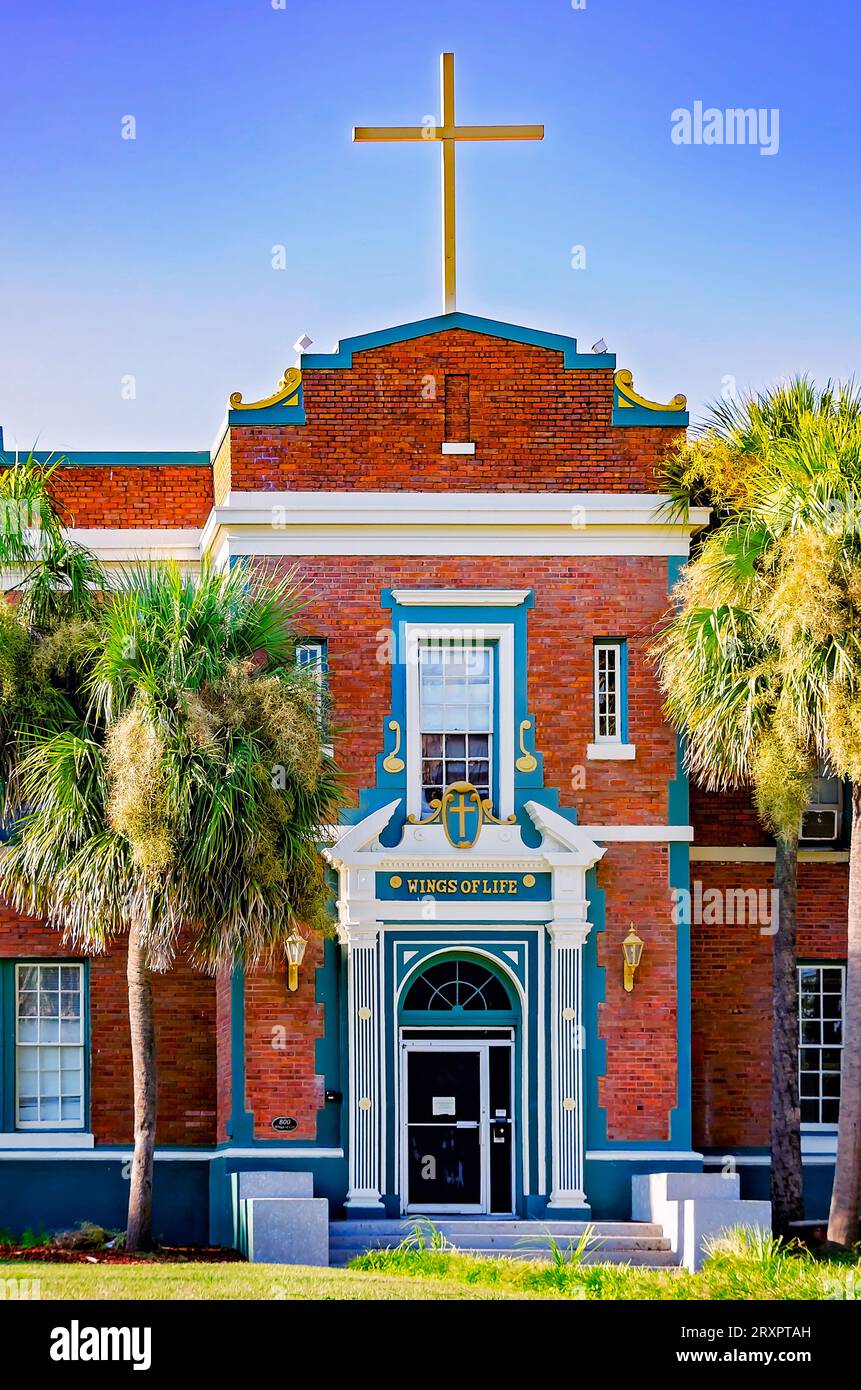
[{"x": 412, "y": 885}]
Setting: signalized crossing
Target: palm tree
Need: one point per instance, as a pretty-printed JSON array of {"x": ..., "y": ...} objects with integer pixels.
[
  {"x": 180, "y": 802},
  {"x": 721, "y": 676},
  {"x": 809, "y": 499},
  {"x": 51, "y": 575},
  {"x": 788, "y": 472},
  {"x": 49, "y": 581}
]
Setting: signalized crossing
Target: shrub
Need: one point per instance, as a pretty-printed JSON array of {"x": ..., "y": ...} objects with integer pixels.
[{"x": 86, "y": 1236}]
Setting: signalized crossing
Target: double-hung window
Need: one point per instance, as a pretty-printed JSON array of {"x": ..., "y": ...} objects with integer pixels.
[
  {"x": 608, "y": 692},
  {"x": 311, "y": 657},
  {"x": 49, "y": 1046},
  {"x": 610, "y": 701},
  {"x": 456, "y": 705},
  {"x": 821, "y": 996}
]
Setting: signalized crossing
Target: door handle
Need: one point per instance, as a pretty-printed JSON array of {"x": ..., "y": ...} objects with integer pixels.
[{"x": 466, "y": 1124}]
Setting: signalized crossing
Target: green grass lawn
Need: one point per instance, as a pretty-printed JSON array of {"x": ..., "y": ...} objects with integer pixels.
[
  {"x": 740, "y": 1267},
  {"x": 232, "y": 1281}
]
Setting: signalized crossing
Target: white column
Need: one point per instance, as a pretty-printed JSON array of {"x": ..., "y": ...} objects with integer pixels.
[
  {"x": 568, "y": 931},
  {"x": 360, "y": 930}
]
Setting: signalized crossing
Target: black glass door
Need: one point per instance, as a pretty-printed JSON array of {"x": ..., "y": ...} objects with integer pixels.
[{"x": 444, "y": 1129}]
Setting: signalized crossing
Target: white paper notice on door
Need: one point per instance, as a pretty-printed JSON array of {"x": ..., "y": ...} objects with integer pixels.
[{"x": 443, "y": 1105}]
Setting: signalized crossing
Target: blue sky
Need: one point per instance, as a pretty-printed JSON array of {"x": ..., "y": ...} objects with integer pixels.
[{"x": 152, "y": 258}]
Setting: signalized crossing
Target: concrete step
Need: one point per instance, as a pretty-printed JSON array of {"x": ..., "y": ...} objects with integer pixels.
[
  {"x": 569, "y": 1230},
  {"x": 502, "y": 1241},
  {"x": 653, "y": 1259},
  {"x": 615, "y": 1242}
]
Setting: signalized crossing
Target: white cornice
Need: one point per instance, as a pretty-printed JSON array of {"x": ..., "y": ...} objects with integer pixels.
[
  {"x": 445, "y": 598},
  {"x": 124, "y": 545},
  {"x": 571, "y": 509},
  {"x": 446, "y": 523},
  {"x": 294, "y": 524},
  {"x": 652, "y": 834}
]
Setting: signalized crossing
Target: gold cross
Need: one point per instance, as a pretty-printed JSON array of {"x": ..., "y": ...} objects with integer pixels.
[
  {"x": 447, "y": 134},
  {"x": 461, "y": 810}
]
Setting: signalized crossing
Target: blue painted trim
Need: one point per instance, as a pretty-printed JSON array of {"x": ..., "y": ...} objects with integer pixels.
[
  {"x": 639, "y": 417},
  {"x": 59, "y": 1195},
  {"x": 678, "y": 813},
  {"x": 289, "y": 412},
  {"x": 594, "y": 993},
  {"x": 327, "y": 1052},
  {"x": 342, "y": 358},
  {"x": 7, "y": 1046},
  {"x": 241, "y": 1129},
  {"x": 78, "y": 458},
  {"x": 539, "y": 892}
]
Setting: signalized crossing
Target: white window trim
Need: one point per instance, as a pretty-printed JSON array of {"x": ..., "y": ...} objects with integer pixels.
[
  {"x": 47, "y": 1139},
  {"x": 32, "y": 1127},
  {"x": 317, "y": 665},
  {"x": 607, "y": 740},
  {"x": 460, "y": 598},
  {"x": 611, "y": 750},
  {"x": 500, "y": 634},
  {"x": 320, "y": 671},
  {"x": 825, "y": 1128}
]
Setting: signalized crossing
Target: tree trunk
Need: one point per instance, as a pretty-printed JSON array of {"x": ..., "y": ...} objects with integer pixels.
[
  {"x": 144, "y": 1071},
  {"x": 787, "y": 1196},
  {"x": 846, "y": 1195}
]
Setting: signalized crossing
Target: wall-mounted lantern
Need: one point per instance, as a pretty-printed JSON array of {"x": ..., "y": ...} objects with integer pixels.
[
  {"x": 632, "y": 950},
  {"x": 294, "y": 948}
]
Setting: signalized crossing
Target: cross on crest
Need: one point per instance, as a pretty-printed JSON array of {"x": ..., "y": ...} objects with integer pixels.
[
  {"x": 447, "y": 134},
  {"x": 462, "y": 813}
]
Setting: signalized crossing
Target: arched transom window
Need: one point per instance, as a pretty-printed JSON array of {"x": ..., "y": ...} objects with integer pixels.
[{"x": 458, "y": 984}]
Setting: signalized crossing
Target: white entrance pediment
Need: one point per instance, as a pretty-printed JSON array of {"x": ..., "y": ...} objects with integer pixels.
[{"x": 565, "y": 851}]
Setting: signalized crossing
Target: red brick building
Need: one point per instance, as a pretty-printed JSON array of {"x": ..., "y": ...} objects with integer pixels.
[{"x": 476, "y": 509}]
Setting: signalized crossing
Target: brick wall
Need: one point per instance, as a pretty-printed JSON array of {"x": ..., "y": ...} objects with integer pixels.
[
  {"x": 281, "y": 1031},
  {"x": 161, "y": 495},
  {"x": 731, "y": 997},
  {"x": 640, "y": 1086},
  {"x": 185, "y": 1023},
  {"x": 381, "y": 425},
  {"x": 223, "y": 1055},
  {"x": 575, "y": 600},
  {"x": 726, "y": 819}
]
